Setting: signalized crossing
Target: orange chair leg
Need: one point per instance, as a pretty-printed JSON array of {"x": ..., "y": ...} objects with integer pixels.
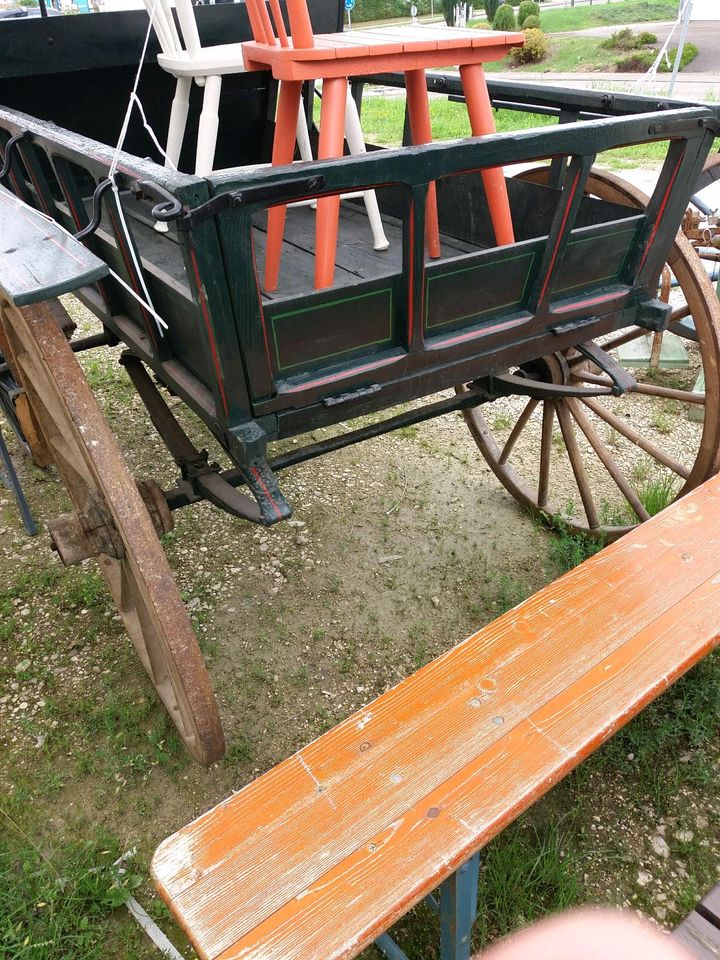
[
  {"x": 330, "y": 144},
  {"x": 481, "y": 122},
  {"x": 282, "y": 152},
  {"x": 419, "y": 113}
]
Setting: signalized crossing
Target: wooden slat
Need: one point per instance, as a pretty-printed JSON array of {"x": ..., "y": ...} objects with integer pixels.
[
  {"x": 699, "y": 936},
  {"x": 710, "y": 904},
  {"x": 329, "y": 848},
  {"x": 38, "y": 260}
]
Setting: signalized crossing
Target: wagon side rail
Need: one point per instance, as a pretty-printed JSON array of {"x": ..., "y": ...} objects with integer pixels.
[{"x": 541, "y": 317}]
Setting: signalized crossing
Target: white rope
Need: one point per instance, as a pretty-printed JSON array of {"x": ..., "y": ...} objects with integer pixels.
[
  {"x": 146, "y": 300},
  {"x": 162, "y": 325},
  {"x": 651, "y": 75}
]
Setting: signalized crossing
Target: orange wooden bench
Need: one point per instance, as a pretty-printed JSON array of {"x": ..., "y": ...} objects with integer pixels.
[{"x": 318, "y": 857}]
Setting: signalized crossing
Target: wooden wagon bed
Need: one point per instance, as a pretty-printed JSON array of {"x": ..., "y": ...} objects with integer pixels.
[{"x": 355, "y": 259}]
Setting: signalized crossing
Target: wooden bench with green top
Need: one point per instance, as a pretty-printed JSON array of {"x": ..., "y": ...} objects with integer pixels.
[
  {"x": 38, "y": 261},
  {"x": 321, "y": 855}
]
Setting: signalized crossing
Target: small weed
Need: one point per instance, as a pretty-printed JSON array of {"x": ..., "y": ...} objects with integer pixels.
[
  {"x": 568, "y": 549},
  {"x": 509, "y": 593},
  {"x": 502, "y": 421},
  {"x": 657, "y": 493},
  {"x": 661, "y": 422}
]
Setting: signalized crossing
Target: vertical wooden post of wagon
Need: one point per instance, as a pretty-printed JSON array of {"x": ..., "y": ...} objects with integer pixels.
[
  {"x": 414, "y": 265},
  {"x": 563, "y": 221}
]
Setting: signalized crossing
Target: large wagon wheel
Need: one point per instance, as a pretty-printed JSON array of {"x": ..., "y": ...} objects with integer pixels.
[
  {"x": 583, "y": 421},
  {"x": 114, "y": 517}
]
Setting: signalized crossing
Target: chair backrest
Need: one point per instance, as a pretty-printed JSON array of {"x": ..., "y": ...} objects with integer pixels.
[
  {"x": 273, "y": 31},
  {"x": 163, "y": 22}
]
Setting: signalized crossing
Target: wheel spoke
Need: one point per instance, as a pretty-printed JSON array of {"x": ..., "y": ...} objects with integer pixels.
[
  {"x": 650, "y": 389},
  {"x": 607, "y": 460},
  {"x": 578, "y": 467},
  {"x": 545, "y": 452},
  {"x": 634, "y": 437},
  {"x": 517, "y": 430}
]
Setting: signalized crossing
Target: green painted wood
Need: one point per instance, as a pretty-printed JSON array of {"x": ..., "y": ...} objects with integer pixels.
[{"x": 38, "y": 260}]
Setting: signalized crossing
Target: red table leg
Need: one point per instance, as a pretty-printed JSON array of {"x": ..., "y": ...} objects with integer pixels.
[
  {"x": 419, "y": 112},
  {"x": 330, "y": 144},
  {"x": 283, "y": 152},
  {"x": 481, "y": 122}
]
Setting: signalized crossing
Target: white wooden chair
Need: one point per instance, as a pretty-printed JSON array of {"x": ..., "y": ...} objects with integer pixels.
[{"x": 187, "y": 60}]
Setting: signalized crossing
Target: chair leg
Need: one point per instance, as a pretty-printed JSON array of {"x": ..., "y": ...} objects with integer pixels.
[
  {"x": 356, "y": 142},
  {"x": 419, "y": 113},
  {"x": 178, "y": 120},
  {"x": 332, "y": 123},
  {"x": 303, "y": 134},
  {"x": 286, "y": 129},
  {"x": 208, "y": 128},
  {"x": 481, "y": 122},
  {"x": 458, "y": 908}
]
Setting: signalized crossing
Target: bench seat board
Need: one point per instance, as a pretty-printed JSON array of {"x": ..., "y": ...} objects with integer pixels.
[
  {"x": 325, "y": 851},
  {"x": 38, "y": 260},
  {"x": 700, "y": 931}
]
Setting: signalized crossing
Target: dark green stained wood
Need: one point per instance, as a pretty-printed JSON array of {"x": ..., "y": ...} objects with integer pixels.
[
  {"x": 332, "y": 331},
  {"x": 596, "y": 255},
  {"x": 477, "y": 286},
  {"x": 38, "y": 260}
]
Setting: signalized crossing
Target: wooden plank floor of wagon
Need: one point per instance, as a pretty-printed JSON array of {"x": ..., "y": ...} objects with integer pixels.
[
  {"x": 356, "y": 259},
  {"x": 700, "y": 931}
]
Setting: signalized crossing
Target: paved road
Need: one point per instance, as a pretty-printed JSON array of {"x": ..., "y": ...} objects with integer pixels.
[
  {"x": 705, "y": 35},
  {"x": 697, "y": 86}
]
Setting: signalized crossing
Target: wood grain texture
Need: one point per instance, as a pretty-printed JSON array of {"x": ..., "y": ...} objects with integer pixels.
[
  {"x": 329, "y": 848},
  {"x": 699, "y": 936},
  {"x": 38, "y": 260}
]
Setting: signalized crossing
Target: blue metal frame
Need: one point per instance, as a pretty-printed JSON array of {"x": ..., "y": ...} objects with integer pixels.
[
  {"x": 10, "y": 479},
  {"x": 457, "y": 908}
]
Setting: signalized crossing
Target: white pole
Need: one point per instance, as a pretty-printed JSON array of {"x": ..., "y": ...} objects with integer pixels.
[{"x": 681, "y": 45}]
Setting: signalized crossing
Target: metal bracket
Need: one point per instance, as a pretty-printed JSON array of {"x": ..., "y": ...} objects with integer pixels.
[
  {"x": 653, "y": 315},
  {"x": 622, "y": 380},
  {"x": 289, "y": 190}
]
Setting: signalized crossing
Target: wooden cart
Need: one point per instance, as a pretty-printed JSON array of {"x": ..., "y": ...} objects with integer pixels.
[{"x": 537, "y": 319}]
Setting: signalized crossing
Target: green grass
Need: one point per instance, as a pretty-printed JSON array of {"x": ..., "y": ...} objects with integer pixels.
[
  {"x": 567, "y": 55},
  {"x": 568, "y": 549},
  {"x": 657, "y": 493},
  {"x": 56, "y": 904},
  {"x": 383, "y": 119},
  {"x": 603, "y": 15}
]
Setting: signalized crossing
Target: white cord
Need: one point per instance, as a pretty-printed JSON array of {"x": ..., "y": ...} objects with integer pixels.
[
  {"x": 651, "y": 75},
  {"x": 134, "y": 99}
]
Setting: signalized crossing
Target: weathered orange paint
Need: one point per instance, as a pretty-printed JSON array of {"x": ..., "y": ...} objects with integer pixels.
[{"x": 325, "y": 851}]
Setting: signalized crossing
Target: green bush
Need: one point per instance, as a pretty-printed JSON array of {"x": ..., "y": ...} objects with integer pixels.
[
  {"x": 366, "y": 10},
  {"x": 535, "y": 49},
  {"x": 626, "y": 39},
  {"x": 647, "y": 38},
  {"x": 531, "y": 23},
  {"x": 528, "y": 8},
  {"x": 641, "y": 60},
  {"x": 491, "y": 9},
  {"x": 504, "y": 19}
]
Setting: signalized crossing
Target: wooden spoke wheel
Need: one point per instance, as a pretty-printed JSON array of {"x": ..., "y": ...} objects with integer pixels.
[
  {"x": 601, "y": 463},
  {"x": 113, "y": 516}
]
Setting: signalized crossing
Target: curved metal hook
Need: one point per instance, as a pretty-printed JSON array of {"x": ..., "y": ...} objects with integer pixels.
[
  {"x": 9, "y": 149},
  {"x": 94, "y": 223},
  {"x": 168, "y": 209}
]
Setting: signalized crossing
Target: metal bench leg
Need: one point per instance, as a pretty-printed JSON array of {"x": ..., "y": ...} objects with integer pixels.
[
  {"x": 10, "y": 477},
  {"x": 458, "y": 909}
]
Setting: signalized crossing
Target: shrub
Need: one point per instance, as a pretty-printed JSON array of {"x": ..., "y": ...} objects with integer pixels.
[
  {"x": 504, "y": 19},
  {"x": 386, "y": 9},
  {"x": 491, "y": 9},
  {"x": 536, "y": 48},
  {"x": 625, "y": 39},
  {"x": 647, "y": 38},
  {"x": 531, "y": 23},
  {"x": 528, "y": 8},
  {"x": 637, "y": 62},
  {"x": 690, "y": 51}
]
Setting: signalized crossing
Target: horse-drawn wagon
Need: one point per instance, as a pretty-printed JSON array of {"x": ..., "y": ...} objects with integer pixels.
[{"x": 537, "y": 318}]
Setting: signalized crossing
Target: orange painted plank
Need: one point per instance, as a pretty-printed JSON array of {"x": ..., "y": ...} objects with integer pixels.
[
  {"x": 234, "y": 874},
  {"x": 377, "y": 884}
]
